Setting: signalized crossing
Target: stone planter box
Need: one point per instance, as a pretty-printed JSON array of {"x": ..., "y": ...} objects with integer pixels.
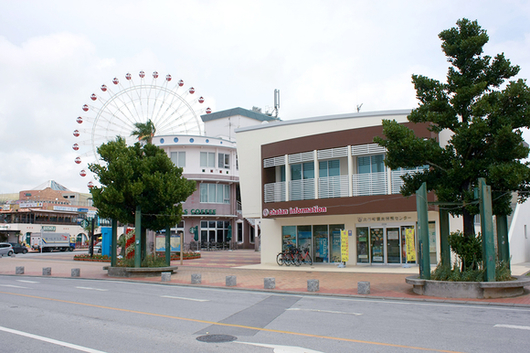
[
  {"x": 138, "y": 271},
  {"x": 472, "y": 290}
]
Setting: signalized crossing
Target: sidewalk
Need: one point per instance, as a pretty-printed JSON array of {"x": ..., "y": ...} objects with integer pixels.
[{"x": 385, "y": 281}]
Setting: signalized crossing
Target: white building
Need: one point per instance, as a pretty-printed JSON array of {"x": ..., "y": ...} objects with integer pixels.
[
  {"x": 211, "y": 160},
  {"x": 305, "y": 180}
]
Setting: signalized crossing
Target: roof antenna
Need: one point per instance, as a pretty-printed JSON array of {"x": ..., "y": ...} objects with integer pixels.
[
  {"x": 276, "y": 102},
  {"x": 359, "y": 107}
]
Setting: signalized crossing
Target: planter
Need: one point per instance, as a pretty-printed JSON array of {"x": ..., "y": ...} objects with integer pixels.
[
  {"x": 472, "y": 290},
  {"x": 138, "y": 271}
]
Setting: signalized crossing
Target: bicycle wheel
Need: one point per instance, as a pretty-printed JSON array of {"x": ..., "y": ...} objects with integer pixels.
[
  {"x": 279, "y": 259},
  {"x": 287, "y": 259},
  {"x": 308, "y": 260},
  {"x": 297, "y": 259}
]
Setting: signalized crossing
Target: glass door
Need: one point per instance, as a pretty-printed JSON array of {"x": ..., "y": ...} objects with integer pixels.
[
  {"x": 377, "y": 245},
  {"x": 392, "y": 246}
]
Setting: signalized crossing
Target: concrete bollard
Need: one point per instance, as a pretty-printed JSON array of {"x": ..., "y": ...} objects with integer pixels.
[
  {"x": 269, "y": 283},
  {"x": 231, "y": 281},
  {"x": 363, "y": 287},
  {"x": 313, "y": 285},
  {"x": 19, "y": 270},
  {"x": 196, "y": 278},
  {"x": 166, "y": 276},
  {"x": 75, "y": 272},
  {"x": 46, "y": 271}
]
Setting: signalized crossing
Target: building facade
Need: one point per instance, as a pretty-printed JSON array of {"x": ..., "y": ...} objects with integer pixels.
[
  {"x": 306, "y": 180},
  {"x": 212, "y": 214},
  {"x": 49, "y": 207}
]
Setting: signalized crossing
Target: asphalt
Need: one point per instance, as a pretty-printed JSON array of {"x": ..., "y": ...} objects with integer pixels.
[{"x": 386, "y": 282}]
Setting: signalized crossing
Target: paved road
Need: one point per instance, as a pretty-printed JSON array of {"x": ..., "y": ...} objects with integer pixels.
[{"x": 40, "y": 314}]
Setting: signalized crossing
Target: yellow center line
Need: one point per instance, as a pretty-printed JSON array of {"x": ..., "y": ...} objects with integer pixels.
[{"x": 231, "y": 325}]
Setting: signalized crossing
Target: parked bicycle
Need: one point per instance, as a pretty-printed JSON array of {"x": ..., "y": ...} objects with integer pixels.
[
  {"x": 304, "y": 257},
  {"x": 294, "y": 256}
]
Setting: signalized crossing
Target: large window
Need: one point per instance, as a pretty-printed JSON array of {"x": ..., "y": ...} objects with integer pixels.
[
  {"x": 208, "y": 159},
  {"x": 223, "y": 160},
  {"x": 178, "y": 159},
  {"x": 214, "y": 193},
  {"x": 329, "y": 168},
  {"x": 302, "y": 171},
  {"x": 370, "y": 164}
]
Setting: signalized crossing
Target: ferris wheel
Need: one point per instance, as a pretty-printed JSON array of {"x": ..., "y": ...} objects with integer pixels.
[{"x": 117, "y": 107}]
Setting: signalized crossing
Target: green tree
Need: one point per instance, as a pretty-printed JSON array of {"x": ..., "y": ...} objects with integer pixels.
[
  {"x": 139, "y": 176},
  {"x": 145, "y": 131},
  {"x": 482, "y": 115}
]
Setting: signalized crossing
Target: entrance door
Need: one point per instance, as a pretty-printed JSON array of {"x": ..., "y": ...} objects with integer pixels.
[
  {"x": 392, "y": 245},
  {"x": 377, "y": 245}
]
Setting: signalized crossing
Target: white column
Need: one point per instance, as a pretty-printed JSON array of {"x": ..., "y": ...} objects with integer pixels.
[
  {"x": 287, "y": 177},
  {"x": 317, "y": 173},
  {"x": 350, "y": 172}
]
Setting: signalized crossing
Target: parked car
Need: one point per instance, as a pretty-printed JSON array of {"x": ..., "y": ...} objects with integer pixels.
[
  {"x": 97, "y": 249},
  {"x": 6, "y": 249},
  {"x": 19, "y": 248}
]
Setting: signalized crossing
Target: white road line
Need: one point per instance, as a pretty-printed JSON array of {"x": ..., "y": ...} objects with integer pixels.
[
  {"x": 26, "y": 281},
  {"x": 513, "y": 326},
  {"x": 182, "y": 298},
  {"x": 90, "y": 288},
  {"x": 50, "y": 340},
  {"x": 281, "y": 349},
  {"x": 12, "y": 286},
  {"x": 326, "y": 311}
]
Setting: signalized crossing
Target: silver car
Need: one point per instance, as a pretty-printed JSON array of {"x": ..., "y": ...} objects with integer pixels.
[{"x": 6, "y": 249}]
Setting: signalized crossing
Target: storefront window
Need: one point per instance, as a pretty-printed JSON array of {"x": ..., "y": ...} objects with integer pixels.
[
  {"x": 362, "y": 245},
  {"x": 335, "y": 251},
  {"x": 304, "y": 237},
  {"x": 376, "y": 245},
  {"x": 288, "y": 237},
  {"x": 321, "y": 243}
]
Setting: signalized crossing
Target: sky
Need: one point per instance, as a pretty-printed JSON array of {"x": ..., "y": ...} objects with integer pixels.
[{"x": 326, "y": 57}]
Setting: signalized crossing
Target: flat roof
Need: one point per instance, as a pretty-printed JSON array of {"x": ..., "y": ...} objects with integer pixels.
[
  {"x": 238, "y": 111},
  {"x": 326, "y": 117}
]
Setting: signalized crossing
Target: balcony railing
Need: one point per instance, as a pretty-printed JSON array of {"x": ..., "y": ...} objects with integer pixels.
[
  {"x": 396, "y": 180},
  {"x": 303, "y": 189},
  {"x": 334, "y": 186},
  {"x": 369, "y": 184},
  {"x": 337, "y": 186},
  {"x": 275, "y": 192}
]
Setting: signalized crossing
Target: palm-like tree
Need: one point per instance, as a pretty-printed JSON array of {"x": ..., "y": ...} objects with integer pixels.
[{"x": 145, "y": 131}]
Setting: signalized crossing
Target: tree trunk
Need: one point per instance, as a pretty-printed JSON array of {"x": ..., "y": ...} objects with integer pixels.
[{"x": 469, "y": 224}]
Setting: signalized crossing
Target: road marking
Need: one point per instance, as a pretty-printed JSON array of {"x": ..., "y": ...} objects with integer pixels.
[
  {"x": 50, "y": 340},
  {"x": 90, "y": 288},
  {"x": 183, "y": 298},
  {"x": 12, "y": 286},
  {"x": 26, "y": 281},
  {"x": 325, "y": 311},
  {"x": 282, "y": 349},
  {"x": 513, "y": 326},
  {"x": 301, "y": 334}
]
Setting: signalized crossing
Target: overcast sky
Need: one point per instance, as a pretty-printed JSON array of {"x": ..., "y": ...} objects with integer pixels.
[{"x": 326, "y": 57}]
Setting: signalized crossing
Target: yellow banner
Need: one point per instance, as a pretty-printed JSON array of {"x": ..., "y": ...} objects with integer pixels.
[
  {"x": 344, "y": 246},
  {"x": 411, "y": 248}
]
